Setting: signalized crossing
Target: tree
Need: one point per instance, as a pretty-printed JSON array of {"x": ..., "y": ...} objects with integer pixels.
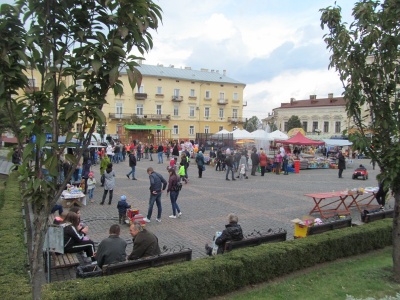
[
  {"x": 366, "y": 56},
  {"x": 83, "y": 40},
  {"x": 293, "y": 122},
  {"x": 252, "y": 124}
]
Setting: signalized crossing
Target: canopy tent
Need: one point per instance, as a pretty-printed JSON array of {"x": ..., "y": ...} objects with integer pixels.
[
  {"x": 294, "y": 131},
  {"x": 278, "y": 135},
  {"x": 223, "y": 131},
  {"x": 222, "y": 134},
  {"x": 334, "y": 142},
  {"x": 261, "y": 139},
  {"x": 300, "y": 139},
  {"x": 240, "y": 134}
]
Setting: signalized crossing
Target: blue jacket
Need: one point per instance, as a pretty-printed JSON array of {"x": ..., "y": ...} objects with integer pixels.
[
  {"x": 122, "y": 207},
  {"x": 157, "y": 182}
]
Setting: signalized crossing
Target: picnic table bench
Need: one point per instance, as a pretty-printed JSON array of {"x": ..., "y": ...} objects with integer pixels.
[{"x": 255, "y": 241}]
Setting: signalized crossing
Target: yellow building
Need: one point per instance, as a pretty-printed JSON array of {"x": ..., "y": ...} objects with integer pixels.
[
  {"x": 181, "y": 99},
  {"x": 321, "y": 117}
]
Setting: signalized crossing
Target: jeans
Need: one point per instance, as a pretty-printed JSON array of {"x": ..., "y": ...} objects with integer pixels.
[
  {"x": 151, "y": 156},
  {"x": 173, "y": 195},
  {"x": 132, "y": 172},
  {"x": 90, "y": 194},
  {"x": 157, "y": 199},
  {"x": 138, "y": 156},
  {"x": 200, "y": 171},
  {"x": 229, "y": 169},
  {"x": 105, "y": 195},
  {"x": 160, "y": 158}
]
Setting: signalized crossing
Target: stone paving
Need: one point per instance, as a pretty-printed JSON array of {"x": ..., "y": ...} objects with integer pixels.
[{"x": 260, "y": 202}]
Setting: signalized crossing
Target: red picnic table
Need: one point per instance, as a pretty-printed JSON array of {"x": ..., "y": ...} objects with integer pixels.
[{"x": 333, "y": 203}]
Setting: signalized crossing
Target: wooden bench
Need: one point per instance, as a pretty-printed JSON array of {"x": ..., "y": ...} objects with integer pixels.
[
  {"x": 148, "y": 262},
  {"x": 255, "y": 241},
  {"x": 66, "y": 260},
  {"x": 316, "y": 229},
  {"x": 378, "y": 215}
]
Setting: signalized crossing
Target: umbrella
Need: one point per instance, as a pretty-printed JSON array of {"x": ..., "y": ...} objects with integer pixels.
[{"x": 294, "y": 131}]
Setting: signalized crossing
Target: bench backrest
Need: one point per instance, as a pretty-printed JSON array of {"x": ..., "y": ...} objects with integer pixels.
[
  {"x": 148, "y": 262},
  {"x": 373, "y": 216},
  {"x": 255, "y": 241},
  {"x": 316, "y": 229}
]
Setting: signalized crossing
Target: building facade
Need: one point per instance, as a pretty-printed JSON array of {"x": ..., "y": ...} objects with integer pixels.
[
  {"x": 186, "y": 101},
  {"x": 323, "y": 117}
]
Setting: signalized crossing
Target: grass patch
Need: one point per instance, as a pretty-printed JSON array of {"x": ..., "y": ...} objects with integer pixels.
[{"x": 364, "y": 276}]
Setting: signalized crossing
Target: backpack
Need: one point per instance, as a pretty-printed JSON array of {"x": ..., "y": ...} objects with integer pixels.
[{"x": 178, "y": 186}]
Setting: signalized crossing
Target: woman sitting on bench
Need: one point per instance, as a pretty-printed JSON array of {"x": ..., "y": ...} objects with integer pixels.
[{"x": 74, "y": 241}]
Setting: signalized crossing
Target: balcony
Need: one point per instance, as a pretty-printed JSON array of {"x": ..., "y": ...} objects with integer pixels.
[
  {"x": 192, "y": 98},
  {"x": 222, "y": 101},
  {"x": 237, "y": 120},
  {"x": 120, "y": 116},
  {"x": 155, "y": 117},
  {"x": 177, "y": 98},
  {"x": 140, "y": 96}
]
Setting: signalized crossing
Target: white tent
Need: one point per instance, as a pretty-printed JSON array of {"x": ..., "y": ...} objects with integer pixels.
[
  {"x": 221, "y": 134},
  {"x": 278, "y": 135},
  {"x": 261, "y": 139},
  {"x": 239, "y": 134},
  {"x": 334, "y": 142}
]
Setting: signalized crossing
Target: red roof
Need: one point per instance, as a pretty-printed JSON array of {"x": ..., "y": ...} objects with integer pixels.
[
  {"x": 12, "y": 140},
  {"x": 300, "y": 139},
  {"x": 337, "y": 101}
]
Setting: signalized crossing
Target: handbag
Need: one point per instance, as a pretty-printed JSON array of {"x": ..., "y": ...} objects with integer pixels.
[{"x": 204, "y": 168}]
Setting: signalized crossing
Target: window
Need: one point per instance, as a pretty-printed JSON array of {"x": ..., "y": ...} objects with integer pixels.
[
  {"x": 207, "y": 129},
  {"x": 176, "y": 92},
  {"x": 79, "y": 85},
  {"x": 191, "y": 111},
  {"x": 337, "y": 127},
  {"x": 192, "y": 93},
  {"x": 176, "y": 110},
  {"x": 32, "y": 82},
  {"x": 235, "y": 96},
  {"x": 221, "y": 96},
  {"x": 234, "y": 113},
  {"x": 314, "y": 126},
  {"x": 79, "y": 127},
  {"x": 139, "y": 109},
  {"x": 208, "y": 95},
  {"x": 305, "y": 125},
  {"x": 158, "y": 109},
  {"x": 191, "y": 130},
  {"x": 118, "y": 110},
  {"x": 206, "y": 112},
  {"x": 159, "y": 90},
  {"x": 285, "y": 126},
  {"x": 220, "y": 128},
  {"x": 141, "y": 89},
  {"x": 221, "y": 113},
  {"x": 326, "y": 126},
  {"x": 175, "y": 129}
]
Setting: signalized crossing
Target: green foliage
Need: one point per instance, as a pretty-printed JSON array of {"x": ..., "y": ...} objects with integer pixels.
[
  {"x": 14, "y": 279},
  {"x": 252, "y": 124},
  {"x": 365, "y": 54},
  {"x": 294, "y": 122},
  {"x": 213, "y": 276}
]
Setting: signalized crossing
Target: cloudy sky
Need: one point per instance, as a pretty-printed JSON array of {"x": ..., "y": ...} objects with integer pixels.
[{"x": 274, "y": 47}]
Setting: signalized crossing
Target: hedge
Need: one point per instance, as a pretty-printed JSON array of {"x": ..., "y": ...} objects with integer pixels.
[
  {"x": 14, "y": 278},
  {"x": 218, "y": 275}
]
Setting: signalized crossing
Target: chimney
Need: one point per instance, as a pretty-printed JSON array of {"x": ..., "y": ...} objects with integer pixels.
[
  {"x": 188, "y": 68},
  {"x": 330, "y": 96},
  {"x": 204, "y": 70},
  {"x": 171, "y": 66},
  {"x": 313, "y": 97}
]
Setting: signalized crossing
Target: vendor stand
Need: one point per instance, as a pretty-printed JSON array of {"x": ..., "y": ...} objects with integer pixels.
[{"x": 70, "y": 199}]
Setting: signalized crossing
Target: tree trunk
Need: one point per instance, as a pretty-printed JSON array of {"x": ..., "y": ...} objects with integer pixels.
[
  {"x": 396, "y": 237},
  {"x": 39, "y": 229}
]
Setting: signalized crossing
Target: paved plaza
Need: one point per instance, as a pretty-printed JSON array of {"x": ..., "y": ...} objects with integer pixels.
[{"x": 260, "y": 202}]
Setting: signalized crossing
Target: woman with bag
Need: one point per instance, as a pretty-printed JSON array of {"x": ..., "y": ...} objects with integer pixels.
[
  {"x": 200, "y": 163},
  {"x": 174, "y": 187},
  {"x": 109, "y": 184}
]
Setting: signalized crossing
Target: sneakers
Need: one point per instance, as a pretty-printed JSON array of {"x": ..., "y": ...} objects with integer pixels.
[
  {"x": 127, "y": 176},
  {"x": 179, "y": 214},
  {"x": 158, "y": 220},
  {"x": 134, "y": 178},
  {"x": 172, "y": 217},
  {"x": 146, "y": 220},
  {"x": 228, "y": 179}
]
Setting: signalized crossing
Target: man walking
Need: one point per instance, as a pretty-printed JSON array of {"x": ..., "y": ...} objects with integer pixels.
[
  {"x": 255, "y": 160},
  {"x": 157, "y": 185},
  {"x": 229, "y": 166},
  {"x": 160, "y": 151},
  {"x": 112, "y": 249},
  {"x": 132, "y": 164}
]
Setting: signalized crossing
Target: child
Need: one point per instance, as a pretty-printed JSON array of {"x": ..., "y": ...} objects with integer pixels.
[
  {"x": 172, "y": 163},
  {"x": 122, "y": 207},
  {"x": 242, "y": 171},
  {"x": 91, "y": 184},
  {"x": 182, "y": 173}
]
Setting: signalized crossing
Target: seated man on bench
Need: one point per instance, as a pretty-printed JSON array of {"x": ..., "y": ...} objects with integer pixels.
[
  {"x": 112, "y": 249},
  {"x": 232, "y": 232},
  {"x": 145, "y": 243}
]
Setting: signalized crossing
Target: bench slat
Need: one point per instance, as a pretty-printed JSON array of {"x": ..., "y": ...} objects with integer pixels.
[
  {"x": 66, "y": 260},
  {"x": 255, "y": 241}
]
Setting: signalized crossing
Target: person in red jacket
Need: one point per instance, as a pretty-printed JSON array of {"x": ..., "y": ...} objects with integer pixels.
[{"x": 263, "y": 162}]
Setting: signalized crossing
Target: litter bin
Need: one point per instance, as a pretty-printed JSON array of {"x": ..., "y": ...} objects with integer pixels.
[
  {"x": 297, "y": 166},
  {"x": 88, "y": 271}
]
